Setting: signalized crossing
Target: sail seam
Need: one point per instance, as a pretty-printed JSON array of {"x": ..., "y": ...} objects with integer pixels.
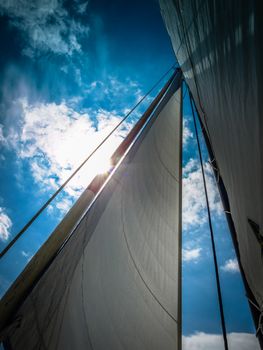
[
  {"x": 163, "y": 164},
  {"x": 138, "y": 270},
  {"x": 82, "y": 300}
]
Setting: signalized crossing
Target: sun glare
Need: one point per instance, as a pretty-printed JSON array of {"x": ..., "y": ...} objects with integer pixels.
[{"x": 102, "y": 165}]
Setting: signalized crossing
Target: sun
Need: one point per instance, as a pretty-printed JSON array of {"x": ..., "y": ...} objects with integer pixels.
[{"x": 102, "y": 165}]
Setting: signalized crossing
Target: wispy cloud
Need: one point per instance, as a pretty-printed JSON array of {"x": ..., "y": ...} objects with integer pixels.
[
  {"x": 27, "y": 255},
  {"x": 230, "y": 265},
  {"x": 46, "y": 25},
  {"x": 187, "y": 133},
  {"x": 191, "y": 254},
  {"x": 5, "y": 225},
  {"x": 194, "y": 204},
  {"x": 114, "y": 89},
  {"x": 205, "y": 341},
  {"x": 82, "y": 7}
]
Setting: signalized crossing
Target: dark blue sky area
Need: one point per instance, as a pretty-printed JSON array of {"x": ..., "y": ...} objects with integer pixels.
[{"x": 123, "y": 39}]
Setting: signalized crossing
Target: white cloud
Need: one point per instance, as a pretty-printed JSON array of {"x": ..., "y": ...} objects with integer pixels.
[
  {"x": 187, "y": 133},
  {"x": 5, "y": 225},
  {"x": 46, "y": 25},
  {"x": 194, "y": 203},
  {"x": 191, "y": 254},
  {"x": 230, "y": 265},
  {"x": 55, "y": 139},
  {"x": 205, "y": 341}
]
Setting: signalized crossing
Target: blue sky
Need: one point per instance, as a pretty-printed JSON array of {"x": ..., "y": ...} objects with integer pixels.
[{"x": 68, "y": 72}]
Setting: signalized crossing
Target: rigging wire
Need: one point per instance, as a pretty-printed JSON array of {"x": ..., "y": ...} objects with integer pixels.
[
  {"x": 36, "y": 215},
  {"x": 219, "y": 294}
]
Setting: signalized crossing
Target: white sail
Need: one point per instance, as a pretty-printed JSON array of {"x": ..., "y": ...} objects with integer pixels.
[
  {"x": 116, "y": 283},
  {"x": 219, "y": 48}
]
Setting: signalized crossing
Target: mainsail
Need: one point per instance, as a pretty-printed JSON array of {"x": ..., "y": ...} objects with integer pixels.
[
  {"x": 219, "y": 47},
  {"x": 116, "y": 282}
]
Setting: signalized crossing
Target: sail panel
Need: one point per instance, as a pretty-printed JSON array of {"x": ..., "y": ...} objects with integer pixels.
[
  {"x": 219, "y": 48},
  {"x": 115, "y": 284}
]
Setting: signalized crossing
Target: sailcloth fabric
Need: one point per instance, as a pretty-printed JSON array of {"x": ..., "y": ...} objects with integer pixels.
[
  {"x": 116, "y": 283},
  {"x": 219, "y": 47}
]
